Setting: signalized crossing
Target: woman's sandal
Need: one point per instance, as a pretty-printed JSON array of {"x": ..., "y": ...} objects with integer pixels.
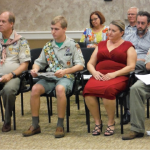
[
  {"x": 97, "y": 130},
  {"x": 109, "y": 131}
]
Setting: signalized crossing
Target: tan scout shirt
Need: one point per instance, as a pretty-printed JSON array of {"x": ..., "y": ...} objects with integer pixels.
[
  {"x": 68, "y": 55},
  {"x": 16, "y": 54}
]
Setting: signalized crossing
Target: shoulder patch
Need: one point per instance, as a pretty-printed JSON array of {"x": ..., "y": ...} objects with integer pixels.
[
  {"x": 24, "y": 41},
  {"x": 77, "y": 45},
  {"x": 22, "y": 38}
]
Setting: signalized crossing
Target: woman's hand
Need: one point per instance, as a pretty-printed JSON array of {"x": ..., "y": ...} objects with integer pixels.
[
  {"x": 109, "y": 76},
  {"x": 98, "y": 76},
  {"x": 91, "y": 45}
]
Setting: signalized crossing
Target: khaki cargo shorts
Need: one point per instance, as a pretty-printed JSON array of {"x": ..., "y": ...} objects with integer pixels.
[{"x": 50, "y": 85}]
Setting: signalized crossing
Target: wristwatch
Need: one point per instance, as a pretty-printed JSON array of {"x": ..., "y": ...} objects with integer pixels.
[{"x": 14, "y": 75}]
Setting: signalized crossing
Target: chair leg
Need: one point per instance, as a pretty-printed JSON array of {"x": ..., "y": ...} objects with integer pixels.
[
  {"x": 99, "y": 106},
  {"x": 88, "y": 120},
  {"x": 68, "y": 113},
  {"x": 148, "y": 108},
  {"x": 14, "y": 118},
  {"x": 117, "y": 114},
  {"x": 2, "y": 112},
  {"x": 22, "y": 111},
  {"x": 121, "y": 114},
  {"x": 68, "y": 104},
  {"x": 51, "y": 110},
  {"x": 48, "y": 108},
  {"x": 85, "y": 111},
  {"x": 87, "y": 117},
  {"x": 77, "y": 100}
]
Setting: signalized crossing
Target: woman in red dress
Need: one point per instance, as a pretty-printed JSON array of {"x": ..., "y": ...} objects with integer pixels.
[{"x": 109, "y": 65}]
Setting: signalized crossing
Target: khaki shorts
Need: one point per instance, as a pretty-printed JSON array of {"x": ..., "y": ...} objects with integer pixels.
[{"x": 50, "y": 85}]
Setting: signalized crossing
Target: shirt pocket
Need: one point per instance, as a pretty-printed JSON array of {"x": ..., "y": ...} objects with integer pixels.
[
  {"x": 67, "y": 61},
  {"x": 13, "y": 50}
]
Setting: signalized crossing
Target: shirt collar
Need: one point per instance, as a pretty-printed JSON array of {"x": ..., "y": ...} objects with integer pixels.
[
  {"x": 131, "y": 26},
  {"x": 12, "y": 36},
  {"x": 66, "y": 43}
]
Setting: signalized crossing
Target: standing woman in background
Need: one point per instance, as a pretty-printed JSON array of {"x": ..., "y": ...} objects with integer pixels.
[{"x": 97, "y": 31}]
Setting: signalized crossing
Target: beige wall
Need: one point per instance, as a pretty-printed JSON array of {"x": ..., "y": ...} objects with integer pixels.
[
  {"x": 37, "y": 43},
  {"x": 36, "y": 15}
]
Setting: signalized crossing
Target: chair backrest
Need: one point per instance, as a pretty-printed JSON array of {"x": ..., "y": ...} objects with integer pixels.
[
  {"x": 82, "y": 44},
  {"x": 87, "y": 52},
  {"x": 35, "y": 53}
]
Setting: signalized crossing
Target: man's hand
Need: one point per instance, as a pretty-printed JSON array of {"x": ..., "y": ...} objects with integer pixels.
[
  {"x": 60, "y": 73},
  {"x": 34, "y": 72},
  {"x": 6, "y": 78},
  {"x": 141, "y": 60}
]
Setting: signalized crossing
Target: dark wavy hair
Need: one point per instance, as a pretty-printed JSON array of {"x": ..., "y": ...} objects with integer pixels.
[
  {"x": 144, "y": 13},
  {"x": 100, "y": 16}
]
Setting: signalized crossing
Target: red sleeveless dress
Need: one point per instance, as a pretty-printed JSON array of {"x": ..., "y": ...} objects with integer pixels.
[{"x": 108, "y": 62}]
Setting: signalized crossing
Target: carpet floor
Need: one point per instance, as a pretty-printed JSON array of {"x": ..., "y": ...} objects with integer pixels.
[{"x": 77, "y": 138}]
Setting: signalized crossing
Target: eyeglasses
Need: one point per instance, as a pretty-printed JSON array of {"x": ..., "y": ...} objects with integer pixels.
[
  {"x": 94, "y": 19},
  {"x": 131, "y": 14}
]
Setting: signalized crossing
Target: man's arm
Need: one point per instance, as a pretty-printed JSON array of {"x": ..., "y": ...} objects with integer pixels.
[
  {"x": 141, "y": 60},
  {"x": 60, "y": 73},
  {"x": 148, "y": 66},
  {"x": 73, "y": 69},
  {"x": 35, "y": 69},
  {"x": 23, "y": 66}
]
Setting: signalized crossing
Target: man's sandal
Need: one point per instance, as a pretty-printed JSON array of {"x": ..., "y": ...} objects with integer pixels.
[
  {"x": 97, "y": 130},
  {"x": 109, "y": 131}
]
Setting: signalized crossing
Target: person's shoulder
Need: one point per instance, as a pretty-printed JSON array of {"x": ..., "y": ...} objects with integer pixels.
[
  {"x": 130, "y": 36},
  {"x": 73, "y": 43},
  {"x": 105, "y": 29},
  {"x": 70, "y": 40},
  {"x": 102, "y": 43},
  {"x": 23, "y": 41},
  {"x": 128, "y": 42},
  {"x": 148, "y": 33},
  {"x": 49, "y": 43},
  {"x": 88, "y": 29},
  {"x": 127, "y": 26}
]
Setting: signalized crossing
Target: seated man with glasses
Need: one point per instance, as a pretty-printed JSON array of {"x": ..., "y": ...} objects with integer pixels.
[{"x": 131, "y": 28}]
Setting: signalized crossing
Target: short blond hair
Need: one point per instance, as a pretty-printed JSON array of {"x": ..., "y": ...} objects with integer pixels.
[
  {"x": 120, "y": 24},
  {"x": 62, "y": 20}
]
